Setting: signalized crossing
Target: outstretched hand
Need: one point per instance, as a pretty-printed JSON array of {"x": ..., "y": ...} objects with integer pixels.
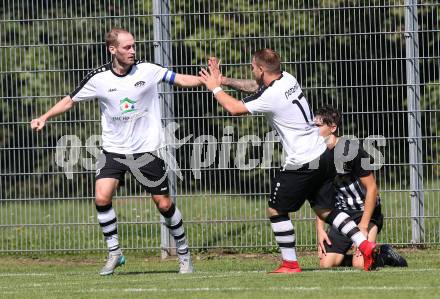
[
  {"x": 211, "y": 79},
  {"x": 214, "y": 66},
  {"x": 37, "y": 124}
]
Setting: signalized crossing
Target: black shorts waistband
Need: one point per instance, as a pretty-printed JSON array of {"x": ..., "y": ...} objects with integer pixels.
[{"x": 154, "y": 153}]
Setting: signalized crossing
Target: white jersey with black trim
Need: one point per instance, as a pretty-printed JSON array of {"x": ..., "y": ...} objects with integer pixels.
[
  {"x": 287, "y": 110},
  {"x": 130, "y": 107}
]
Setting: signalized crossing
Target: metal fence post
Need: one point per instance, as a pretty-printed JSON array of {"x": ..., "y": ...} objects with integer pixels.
[
  {"x": 414, "y": 121},
  {"x": 162, "y": 55}
]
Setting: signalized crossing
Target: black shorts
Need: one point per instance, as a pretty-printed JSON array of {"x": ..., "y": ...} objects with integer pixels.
[
  {"x": 291, "y": 188},
  {"x": 147, "y": 168},
  {"x": 340, "y": 243}
]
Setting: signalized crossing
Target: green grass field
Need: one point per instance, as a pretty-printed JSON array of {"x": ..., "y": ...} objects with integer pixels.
[{"x": 226, "y": 276}]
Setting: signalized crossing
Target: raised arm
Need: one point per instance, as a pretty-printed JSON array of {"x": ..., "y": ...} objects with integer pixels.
[
  {"x": 187, "y": 80},
  {"x": 369, "y": 182},
  {"x": 231, "y": 104},
  {"x": 244, "y": 85},
  {"x": 60, "y": 107}
]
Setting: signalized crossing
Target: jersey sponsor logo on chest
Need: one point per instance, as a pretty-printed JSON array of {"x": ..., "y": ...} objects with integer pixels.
[{"x": 127, "y": 105}]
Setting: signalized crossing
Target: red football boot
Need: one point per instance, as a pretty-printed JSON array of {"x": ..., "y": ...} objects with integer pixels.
[
  {"x": 370, "y": 252},
  {"x": 287, "y": 267}
]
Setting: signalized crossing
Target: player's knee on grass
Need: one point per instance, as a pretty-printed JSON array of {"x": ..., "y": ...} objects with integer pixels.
[{"x": 330, "y": 260}]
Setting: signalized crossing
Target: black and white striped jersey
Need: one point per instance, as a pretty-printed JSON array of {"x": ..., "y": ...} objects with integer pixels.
[
  {"x": 350, "y": 193},
  {"x": 288, "y": 112}
]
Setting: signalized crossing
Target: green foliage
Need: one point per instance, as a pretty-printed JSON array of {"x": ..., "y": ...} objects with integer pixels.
[{"x": 431, "y": 119}]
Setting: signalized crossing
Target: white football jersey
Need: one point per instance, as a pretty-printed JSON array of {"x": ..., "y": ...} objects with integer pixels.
[
  {"x": 130, "y": 107},
  {"x": 287, "y": 110}
]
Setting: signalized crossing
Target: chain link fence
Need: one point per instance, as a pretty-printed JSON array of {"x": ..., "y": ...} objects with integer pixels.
[{"x": 377, "y": 61}]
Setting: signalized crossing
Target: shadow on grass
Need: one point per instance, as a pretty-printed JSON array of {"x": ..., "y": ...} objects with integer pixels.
[{"x": 146, "y": 272}]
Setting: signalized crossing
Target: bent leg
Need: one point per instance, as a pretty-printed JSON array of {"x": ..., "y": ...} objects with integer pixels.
[
  {"x": 174, "y": 222},
  {"x": 289, "y": 189},
  {"x": 330, "y": 260},
  {"x": 358, "y": 259},
  {"x": 342, "y": 222},
  {"x": 104, "y": 190},
  {"x": 336, "y": 249}
]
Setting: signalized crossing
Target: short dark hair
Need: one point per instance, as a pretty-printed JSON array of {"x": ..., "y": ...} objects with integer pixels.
[
  {"x": 269, "y": 59},
  {"x": 111, "y": 38},
  {"x": 329, "y": 115}
]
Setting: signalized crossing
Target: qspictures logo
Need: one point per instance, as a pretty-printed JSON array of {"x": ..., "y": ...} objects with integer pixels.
[{"x": 127, "y": 105}]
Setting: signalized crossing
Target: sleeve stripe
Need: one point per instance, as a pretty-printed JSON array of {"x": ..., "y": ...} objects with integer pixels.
[
  {"x": 169, "y": 77},
  {"x": 173, "y": 76},
  {"x": 89, "y": 76}
]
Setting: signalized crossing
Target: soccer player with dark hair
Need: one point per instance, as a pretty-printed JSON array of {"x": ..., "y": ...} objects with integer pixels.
[
  {"x": 132, "y": 134},
  {"x": 308, "y": 170},
  {"x": 356, "y": 195}
]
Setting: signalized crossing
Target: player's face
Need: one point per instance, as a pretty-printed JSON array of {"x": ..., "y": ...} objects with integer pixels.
[
  {"x": 324, "y": 129},
  {"x": 257, "y": 71},
  {"x": 124, "y": 52}
]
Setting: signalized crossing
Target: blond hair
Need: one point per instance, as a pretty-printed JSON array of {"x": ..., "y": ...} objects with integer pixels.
[{"x": 111, "y": 38}]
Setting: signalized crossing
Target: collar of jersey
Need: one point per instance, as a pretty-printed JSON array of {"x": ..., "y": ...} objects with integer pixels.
[
  {"x": 271, "y": 83},
  {"x": 117, "y": 75}
]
